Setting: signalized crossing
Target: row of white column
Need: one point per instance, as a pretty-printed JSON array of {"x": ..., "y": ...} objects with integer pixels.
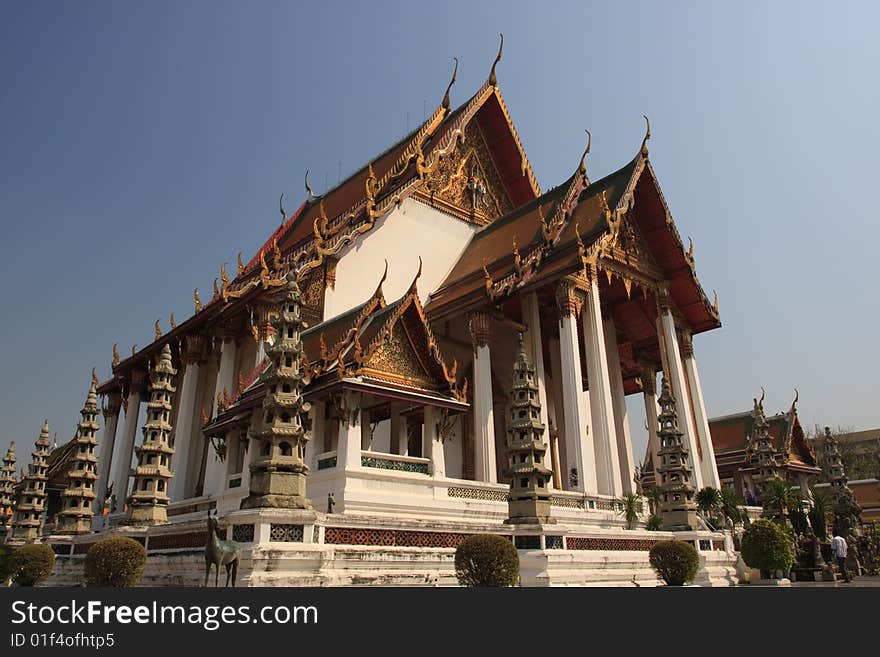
[
  {"x": 594, "y": 426},
  {"x": 189, "y": 443}
]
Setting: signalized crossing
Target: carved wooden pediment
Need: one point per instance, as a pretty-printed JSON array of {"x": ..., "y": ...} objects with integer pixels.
[
  {"x": 395, "y": 360},
  {"x": 466, "y": 182}
]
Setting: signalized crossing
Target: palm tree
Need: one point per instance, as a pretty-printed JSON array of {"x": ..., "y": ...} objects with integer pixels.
[
  {"x": 630, "y": 507},
  {"x": 730, "y": 505},
  {"x": 778, "y": 498},
  {"x": 708, "y": 501},
  {"x": 655, "y": 498},
  {"x": 818, "y": 519}
]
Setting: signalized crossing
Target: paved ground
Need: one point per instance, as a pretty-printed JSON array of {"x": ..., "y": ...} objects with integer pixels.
[{"x": 858, "y": 581}]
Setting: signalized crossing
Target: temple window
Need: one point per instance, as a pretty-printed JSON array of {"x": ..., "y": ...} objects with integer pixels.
[
  {"x": 285, "y": 388},
  {"x": 285, "y": 417},
  {"x": 288, "y": 362},
  {"x": 161, "y": 486},
  {"x": 285, "y": 449}
]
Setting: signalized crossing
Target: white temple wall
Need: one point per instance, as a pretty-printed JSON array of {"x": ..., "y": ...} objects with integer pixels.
[
  {"x": 407, "y": 232},
  {"x": 452, "y": 451}
]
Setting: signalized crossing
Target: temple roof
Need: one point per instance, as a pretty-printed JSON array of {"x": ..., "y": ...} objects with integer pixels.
[
  {"x": 548, "y": 238},
  {"x": 731, "y": 433}
]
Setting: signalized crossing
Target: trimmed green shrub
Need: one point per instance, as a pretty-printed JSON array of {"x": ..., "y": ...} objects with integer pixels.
[
  {"x": 675, "y": 561},
  {"x": 5, "y": 564},
  {"x": 486, "y": 560},
  {"x": 115, "y": 561},
  {"x": 655, "y": 523},
  {"x": 766, "y": 546},
  {"x": 32, "y": 564}
]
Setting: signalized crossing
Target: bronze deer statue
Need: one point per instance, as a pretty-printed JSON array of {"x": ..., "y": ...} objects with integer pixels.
[{"x": 220, "y": 553}]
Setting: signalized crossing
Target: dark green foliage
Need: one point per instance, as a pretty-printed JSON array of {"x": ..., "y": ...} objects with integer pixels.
[
  {"x": 675, "y": 561},
  {"x": 655, "y": 523},
  {"x": 708, "y": 500},
  {"x": 5, "y": 565},
  {"x": 730, "y": 505},
  {"x": 32, "y": 564},
  {"x": 486, "y": 560},
  {"x": 630, "y": 507},
  {"x": 766, "y": 546},
  {"x": 655, "y": 498},
  {"x": 115, "y": 561},
  {"x": 779, "y": 498},
  {"x": 817, "y": 514},
  {"x": 799, "y": 520}
]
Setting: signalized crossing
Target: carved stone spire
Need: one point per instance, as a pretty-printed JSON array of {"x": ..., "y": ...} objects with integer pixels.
[
  {"x": 78, "y": 498},
  {"x": 761, "y": 456},
  {"x": 278, "y": 472},
  {"x": 529, "y": 500},
  {"x": 678, "y": 508},
  {"x": 148, "y": 502},
  {"x": 27, "y": 521},
  {"x": 847, "y": 512},
  {"x": 7, "y": 487}
]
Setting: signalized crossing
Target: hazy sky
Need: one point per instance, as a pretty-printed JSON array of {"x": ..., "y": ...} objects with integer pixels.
[{"x": 143, "y": 144}]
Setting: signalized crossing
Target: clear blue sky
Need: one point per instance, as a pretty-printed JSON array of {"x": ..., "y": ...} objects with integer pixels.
[{"x": 143, "y": 144}]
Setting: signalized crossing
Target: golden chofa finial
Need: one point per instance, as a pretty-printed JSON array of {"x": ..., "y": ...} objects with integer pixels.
[
  {"x": 95, "y": 377},
  {"x": 116, "y": 358},
  {"x": 172, "y": 322},
  {"x": 445, "y": 103},
  {"x": 157, "y": 329},
  {"x": 493, "y": 79},
  {"x": 582, "y": 167},
  {"x": 308, "y": 187},
  {"x": 715, "y": 305},
  {"x": 133, "y": 349},
  {"x": 240, "y": 264},
  {"x": 216, "y": 289},
  {"x": 197, "y": 300},
  {"x": 647, "y": 135},
  {"x": 281, "y": 209},
  {"x": 690, "y": 249}
]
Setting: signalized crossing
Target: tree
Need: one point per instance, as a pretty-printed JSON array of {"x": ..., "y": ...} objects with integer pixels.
[
  {"x": 655, "y": 497},
  {"x": 731, "y": 505},
  {"x": 708, "y": 501},
  {"x": 779, "y": 498},
  {"x": 630, "y": 507},
  {"x": 818, "y": 514},
  {"x": 765, "y": 545}
]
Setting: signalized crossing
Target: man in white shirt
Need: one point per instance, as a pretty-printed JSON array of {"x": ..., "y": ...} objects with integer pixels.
[{"x": 838, "y": 549}]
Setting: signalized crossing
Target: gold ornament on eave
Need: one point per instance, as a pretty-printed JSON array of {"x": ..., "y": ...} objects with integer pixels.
[
  {"x": 197, "y": 300},
  {"x": 116, "y": 358}
]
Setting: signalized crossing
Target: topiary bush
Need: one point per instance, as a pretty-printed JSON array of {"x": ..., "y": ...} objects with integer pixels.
[
  {"x": 31, "y": 564},
  {"x": 115, "y": 561},
  {"x": 486, "y": 560},
  {"x": 767, "y": 547},
  {"x": 655, "y": 523},
  {"x": 675, "y": 561}
]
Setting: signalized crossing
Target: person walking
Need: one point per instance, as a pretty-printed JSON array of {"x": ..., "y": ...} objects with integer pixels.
[{"x": 838, "y": 549}]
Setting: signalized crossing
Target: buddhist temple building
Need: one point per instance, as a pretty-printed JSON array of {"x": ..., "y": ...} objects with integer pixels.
[{"x": 366, "y": 349}]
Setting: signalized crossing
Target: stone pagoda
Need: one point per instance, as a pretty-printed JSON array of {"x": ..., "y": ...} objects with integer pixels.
[
  {"x": 148, "y": 502},
  {"x": 762, "y": 465},
  {"x": 27, "y": 521},
  {"x": 7, "y": 488},
  {"x": 847, "y": 512},
  {"x": 278, "y": 471},
  {"x": 78, "y": 497},
  {"x": 529, "y": 500},
  {"x": 678, "y": 508}
]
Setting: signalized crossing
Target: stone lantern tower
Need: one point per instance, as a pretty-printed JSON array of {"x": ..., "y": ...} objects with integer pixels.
[
  {"x": 7, "y": 487},
  {"x": 529, "y": 500},
  {"x": 678, "y": 508},
  {"x": 148, "y": 502},
  {"x": 761, "y": 456},
  {"x": 278, "y": 471},
  {"x": 79, "y": 496},
  {"x": 27, "y": 521},
  {"x": 847, "y": 512}
]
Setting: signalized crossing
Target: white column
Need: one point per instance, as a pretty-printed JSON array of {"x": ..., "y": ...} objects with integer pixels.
[
  {"x": 649, "y": 388},
  {"x": 188, "y": 418},
  {"x": 535, "y": 352},
  {"x": 122, "y": 467},
  {"x": 618, "y": 399},
  {"x": 601, "y": 407},
  {"x": 348, "y": 451},
  {"x": 108, "y": 439},
  {"x": 707, "y": 460},
  {"x": 215, "y": 469},
  {"x": 313, "y": 446},
  {"x": 558, "y": 411},
  {"x": 484, "y": 419},
  {"x": 675, "y": 371},
  {"x": 432, "y": 446},
  {"x": 578, "y": 440}
]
